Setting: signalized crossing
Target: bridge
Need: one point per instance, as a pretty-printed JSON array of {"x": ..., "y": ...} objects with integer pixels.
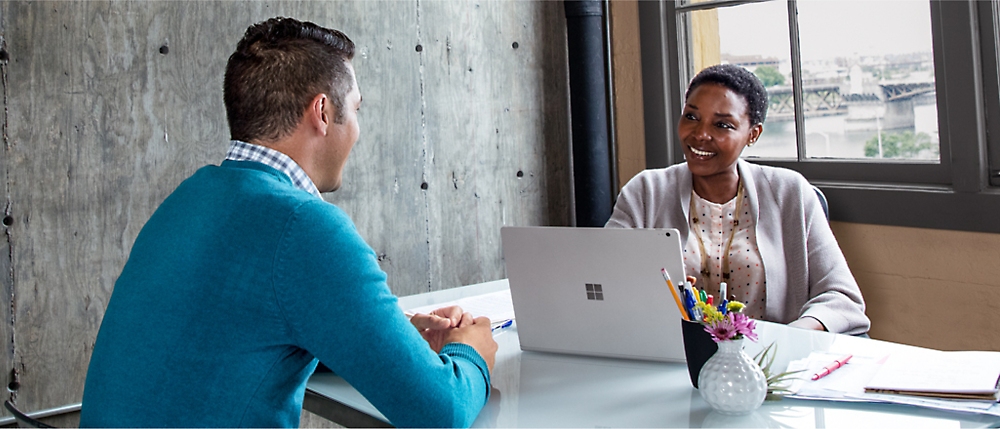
[
  {"x": 902, "y": 91},
  {"x": 896, "y": 99}
]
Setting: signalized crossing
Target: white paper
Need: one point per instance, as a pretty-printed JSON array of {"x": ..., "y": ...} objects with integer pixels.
[
  {"x": 849, "y": 378},
  {"x": 939, "y": 372},
  {"x": 498, "y": 306},
  {"x": 847, "y": 384},
  {"x": 965, "y": 406}
]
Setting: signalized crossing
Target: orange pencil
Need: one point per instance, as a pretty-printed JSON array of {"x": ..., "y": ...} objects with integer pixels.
[{"x": 673, "y": 291}]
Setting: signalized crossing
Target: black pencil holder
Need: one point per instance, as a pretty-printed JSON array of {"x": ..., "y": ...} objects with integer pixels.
[{"x": 698, "y": 348}]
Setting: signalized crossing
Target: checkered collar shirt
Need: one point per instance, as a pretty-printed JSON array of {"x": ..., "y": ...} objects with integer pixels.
[{"x": 243, "y": 151}]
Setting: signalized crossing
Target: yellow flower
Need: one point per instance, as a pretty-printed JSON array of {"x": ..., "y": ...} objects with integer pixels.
[
  {"x": 735, "y": 306},
  {"x": 711, "y": 314}
]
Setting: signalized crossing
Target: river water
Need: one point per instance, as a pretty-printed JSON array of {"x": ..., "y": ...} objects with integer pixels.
[{"x": 826, "y": 136}]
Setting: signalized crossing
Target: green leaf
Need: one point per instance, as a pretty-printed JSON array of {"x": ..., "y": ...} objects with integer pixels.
[{"x": 775, "y": 387}]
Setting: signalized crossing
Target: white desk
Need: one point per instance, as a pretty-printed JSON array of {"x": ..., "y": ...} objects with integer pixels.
[{"x": 533, "y": 389}]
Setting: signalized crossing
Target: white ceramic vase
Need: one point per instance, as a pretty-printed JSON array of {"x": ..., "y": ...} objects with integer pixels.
[{"x": 731, "y": 382}]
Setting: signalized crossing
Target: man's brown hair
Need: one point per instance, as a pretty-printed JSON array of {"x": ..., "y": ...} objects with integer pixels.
[{"x": 277, "y": 69}]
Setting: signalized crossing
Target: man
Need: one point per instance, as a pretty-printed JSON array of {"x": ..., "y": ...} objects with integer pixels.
[{"x": 244, "y": 276}]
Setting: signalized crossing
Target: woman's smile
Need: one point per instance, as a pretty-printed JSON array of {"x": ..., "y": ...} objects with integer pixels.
[{"x": 701, "y": 153}]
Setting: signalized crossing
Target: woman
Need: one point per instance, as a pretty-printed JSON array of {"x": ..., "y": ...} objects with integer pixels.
[{"x": 760, "y": 229}]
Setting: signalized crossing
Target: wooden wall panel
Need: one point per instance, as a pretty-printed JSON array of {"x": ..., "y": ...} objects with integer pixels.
[
  {"x": 926, "y": 287},
  {"x": 626, "y": 61},
  {"x": 110, "y": 104}
]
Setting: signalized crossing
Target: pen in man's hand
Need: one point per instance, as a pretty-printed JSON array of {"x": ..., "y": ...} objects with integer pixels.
[
  {"x": 832, "y": 367},
  {"x": 502, "y": 325}
]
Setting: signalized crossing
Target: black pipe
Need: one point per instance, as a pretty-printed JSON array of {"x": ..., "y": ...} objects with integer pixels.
[{"x": 589, "y": 112}]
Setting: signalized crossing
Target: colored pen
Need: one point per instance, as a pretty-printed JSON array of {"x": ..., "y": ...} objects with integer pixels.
[
  {"x": 687, "y": 304},
  {"x": 723, "y": 303},
  {"x": 673, "y": 291},
  {"x": 692, "y": 292},
  {"x": 686, "y": 299},
  {"x": 691, "y": 301},
  {"x": 502, "y": 325},
  {"x": 693, "y": 309},
  {"x": 702, "y": 296},
  {"x": 832, "y": 367}
]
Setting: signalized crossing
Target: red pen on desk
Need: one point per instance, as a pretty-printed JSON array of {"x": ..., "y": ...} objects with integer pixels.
[{"x": 832, "y": 367}]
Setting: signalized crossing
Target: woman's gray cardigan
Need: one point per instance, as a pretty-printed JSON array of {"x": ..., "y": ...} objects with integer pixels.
[{"x": 805, "y": 270}]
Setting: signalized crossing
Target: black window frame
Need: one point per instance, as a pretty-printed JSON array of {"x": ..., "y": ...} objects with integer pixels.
[{"x": 955, "y": 194}]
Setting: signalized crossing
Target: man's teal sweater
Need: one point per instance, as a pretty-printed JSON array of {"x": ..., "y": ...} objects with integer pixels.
[{"x": 234, "y": 288}]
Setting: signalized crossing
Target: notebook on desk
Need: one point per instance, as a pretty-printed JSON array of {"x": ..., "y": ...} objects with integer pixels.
[{"x": 595, "y": 291}]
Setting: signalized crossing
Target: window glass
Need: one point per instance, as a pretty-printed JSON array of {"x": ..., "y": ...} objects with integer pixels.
[
  {"x": 868, "y": 80},
  {"x": 755, "y": 36},
  {"x": 867, "y": 69}
]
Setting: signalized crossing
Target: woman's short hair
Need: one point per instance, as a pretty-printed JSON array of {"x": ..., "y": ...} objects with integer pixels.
[
  {"x": 740, "y": 81},
  {"x": 277, "y": 69}
]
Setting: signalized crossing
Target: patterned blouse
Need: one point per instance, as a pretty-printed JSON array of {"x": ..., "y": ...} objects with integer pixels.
[{"x": 713, "y": 223}]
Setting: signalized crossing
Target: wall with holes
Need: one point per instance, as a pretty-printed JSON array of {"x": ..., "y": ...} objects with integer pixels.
[{"x": 108, "y": 105}]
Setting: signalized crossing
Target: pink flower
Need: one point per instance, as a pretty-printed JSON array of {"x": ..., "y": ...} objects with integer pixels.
[
  {"x": 744, "y": 325},
  {"x": 721, "y": 330},
  {"x": 732, "y": 327}
]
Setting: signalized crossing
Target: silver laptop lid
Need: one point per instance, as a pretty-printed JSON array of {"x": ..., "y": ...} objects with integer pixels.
[{"x": 595, "y": 291}]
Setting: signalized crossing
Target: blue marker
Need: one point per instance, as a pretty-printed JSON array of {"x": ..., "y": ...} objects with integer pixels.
[
  {"x": 722, "y": 294},
  {"x": 690, "y": 302},
  {"x": 502, "y": 325}
]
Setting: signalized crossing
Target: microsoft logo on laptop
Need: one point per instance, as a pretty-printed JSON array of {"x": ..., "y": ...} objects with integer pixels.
[{"x": 594, "y": 292}]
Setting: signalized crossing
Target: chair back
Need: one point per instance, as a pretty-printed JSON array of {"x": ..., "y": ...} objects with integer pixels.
[
  {"x": 822, "y": 202},
  {"x": 23, "y": 420}
]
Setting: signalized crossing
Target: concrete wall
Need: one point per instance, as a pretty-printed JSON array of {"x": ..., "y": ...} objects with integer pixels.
[{"x": 108, "y": 105}]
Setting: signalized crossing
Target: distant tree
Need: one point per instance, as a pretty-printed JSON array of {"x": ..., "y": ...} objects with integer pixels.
[
  {"x": 769, "y": 76},
  {"x": 900, "y": 145},
  {"x": 882, "y": 74}
]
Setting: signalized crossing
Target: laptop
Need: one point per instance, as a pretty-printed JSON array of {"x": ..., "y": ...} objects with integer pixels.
[{"x": 595, "y": 291}]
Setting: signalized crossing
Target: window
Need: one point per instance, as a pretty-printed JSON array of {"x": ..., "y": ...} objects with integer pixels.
[
  {"x": 881, "y": 104},
  {"x": 991, "y": 84},
  {"x": 865, "y": 69}
]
